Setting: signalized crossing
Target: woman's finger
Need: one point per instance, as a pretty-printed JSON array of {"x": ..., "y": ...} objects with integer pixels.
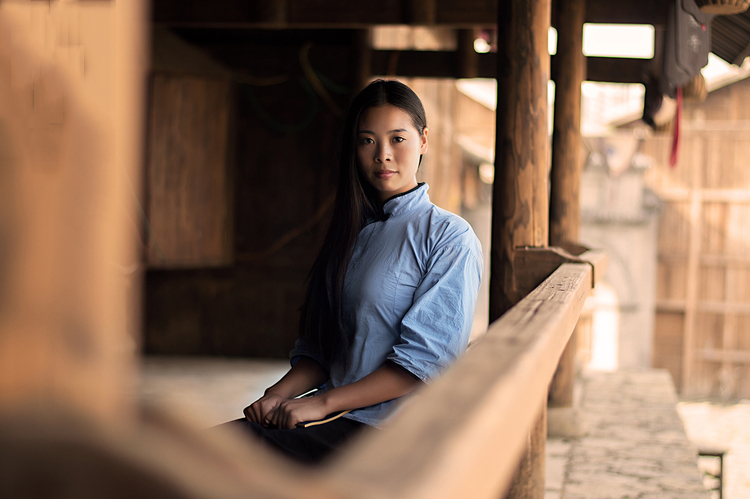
[{"x": 250, "y": 414}]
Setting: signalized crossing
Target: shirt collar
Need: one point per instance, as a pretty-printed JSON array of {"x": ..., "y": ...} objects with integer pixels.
[{"x": 406, "y": 201}]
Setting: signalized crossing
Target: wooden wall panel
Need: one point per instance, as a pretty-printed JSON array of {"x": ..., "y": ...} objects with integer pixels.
[
  {"x": 189, "y": 196},
  {"x": 664, "y": 180},
  {"x": 668, "y": 343},
  {"x": 737, "y": 173},
  {"x": 714, "y": 233},
  {"x": 706, "y": 379},
  {"x": 671, "y": 281},
  {"x": 743, "y": 380},
  {"x": 709, "y": 331},
  {"x": 281, "y": 179},
  {"x": 674, "y": 233},
  {"x": 711, "y": 283},
  {"x": 707, "y": 204},
  {"x": 738, "y": 229},
  {"x": 741, "y": 284},
  {"x": 743, "y": 340}
]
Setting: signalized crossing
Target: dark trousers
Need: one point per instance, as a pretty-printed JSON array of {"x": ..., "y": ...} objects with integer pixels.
[{"x": 307, "y": 445}]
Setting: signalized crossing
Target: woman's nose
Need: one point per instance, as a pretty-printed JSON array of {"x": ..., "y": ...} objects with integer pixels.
[{"x": 383, "y": 154}]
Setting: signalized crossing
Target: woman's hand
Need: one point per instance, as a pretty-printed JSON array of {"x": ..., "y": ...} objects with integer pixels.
[
  {"x": 258, "y": 411},
  {"x": 289, "y": 412}
]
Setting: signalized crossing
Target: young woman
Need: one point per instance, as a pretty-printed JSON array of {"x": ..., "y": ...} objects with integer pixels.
[{"x": 391, "y": 295}]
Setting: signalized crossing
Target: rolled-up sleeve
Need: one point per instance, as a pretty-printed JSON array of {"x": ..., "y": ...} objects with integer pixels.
[
  {"x": 435, "y": 330},
  {"x": 304, "y": 348}
]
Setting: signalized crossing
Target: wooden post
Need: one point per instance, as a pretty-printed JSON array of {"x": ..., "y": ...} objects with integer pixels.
[
  {"x": 565, "y": 218},
  {"x": 520, "y": 208},
  {"x": 468, "y": 60},
  {"x": 71, "y": 129}
]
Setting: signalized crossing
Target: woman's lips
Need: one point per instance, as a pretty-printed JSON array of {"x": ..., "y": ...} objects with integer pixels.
[{"x": 385, "y": 173}]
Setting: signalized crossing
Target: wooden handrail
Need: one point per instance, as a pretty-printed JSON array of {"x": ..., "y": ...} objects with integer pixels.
[
  {"x": 459, "y": 437},
  {"x": 462, "y": 436}
]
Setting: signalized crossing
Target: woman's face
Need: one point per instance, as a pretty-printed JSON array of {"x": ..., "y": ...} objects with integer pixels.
[{"x": 388, "y": 149}]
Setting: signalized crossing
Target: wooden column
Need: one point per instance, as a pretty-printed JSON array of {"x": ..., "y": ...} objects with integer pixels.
[
  {"x": 520, "y": 208},
  {"x": 565, "y": 177},
  {"x": 468, "y": 61},
  {"x": 71, "y": 138}
]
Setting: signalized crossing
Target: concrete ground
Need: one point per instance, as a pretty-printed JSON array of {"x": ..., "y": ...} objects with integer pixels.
[{"x": 206, "y": 391}]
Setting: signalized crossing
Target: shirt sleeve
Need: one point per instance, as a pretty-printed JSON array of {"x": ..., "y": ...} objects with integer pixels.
[
  {"x": 435, "y": 330},
  {"x": 304, "y": 348}
]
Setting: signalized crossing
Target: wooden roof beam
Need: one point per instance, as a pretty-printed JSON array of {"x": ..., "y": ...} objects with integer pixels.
[
  {"x": 324, "y": 14},
  {"x": 445, "y": 64}
]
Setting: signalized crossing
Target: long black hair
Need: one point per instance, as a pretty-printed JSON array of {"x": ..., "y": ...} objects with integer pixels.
[{"x": 356, "y": 203}]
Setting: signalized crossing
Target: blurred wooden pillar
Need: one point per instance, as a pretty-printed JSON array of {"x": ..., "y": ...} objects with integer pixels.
[
  {"x": 565, "y": 217},
  {"x": 520, "y": 208},
  {"x": 71, "y": 135}
]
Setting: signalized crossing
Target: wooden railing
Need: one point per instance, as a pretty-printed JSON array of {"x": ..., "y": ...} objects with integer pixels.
[{"x": 462, "y": 436}]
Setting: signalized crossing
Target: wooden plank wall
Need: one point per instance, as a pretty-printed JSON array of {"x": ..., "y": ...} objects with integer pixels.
[
  {"x": 190, "y": 200},
  {"x": 703, "y": 287},
  {"x": 279, "y": 184}
]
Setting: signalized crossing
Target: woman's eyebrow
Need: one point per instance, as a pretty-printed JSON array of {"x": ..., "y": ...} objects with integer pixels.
[{"x": 395, "y": 130}]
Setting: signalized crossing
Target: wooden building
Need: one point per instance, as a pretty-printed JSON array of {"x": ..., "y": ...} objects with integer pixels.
[
  {"x": 703, "y": 296},
  {"x": 232, "y": 206}
]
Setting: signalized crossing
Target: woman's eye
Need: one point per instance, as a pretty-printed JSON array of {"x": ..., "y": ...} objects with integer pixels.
[
  {"x": 366, "y": 140},
  {"x": 398, "y": 139}
]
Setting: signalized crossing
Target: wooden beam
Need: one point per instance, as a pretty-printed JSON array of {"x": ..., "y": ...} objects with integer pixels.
[
  {"x": 446, "y": 64},
  {"x": 652, "y": 12},
  {"x": 348, "y": 14},
  {"x": 611, "y": 69}
]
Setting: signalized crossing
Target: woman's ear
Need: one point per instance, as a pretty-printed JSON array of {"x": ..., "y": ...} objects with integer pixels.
[{"x": 423, "y": 138}]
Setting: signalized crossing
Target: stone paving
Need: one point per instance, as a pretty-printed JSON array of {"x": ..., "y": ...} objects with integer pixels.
[{"x": 634, "y": 444}]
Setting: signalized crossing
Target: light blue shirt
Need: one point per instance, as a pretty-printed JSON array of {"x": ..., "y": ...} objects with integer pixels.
[{"x": 409, "y": 295}]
